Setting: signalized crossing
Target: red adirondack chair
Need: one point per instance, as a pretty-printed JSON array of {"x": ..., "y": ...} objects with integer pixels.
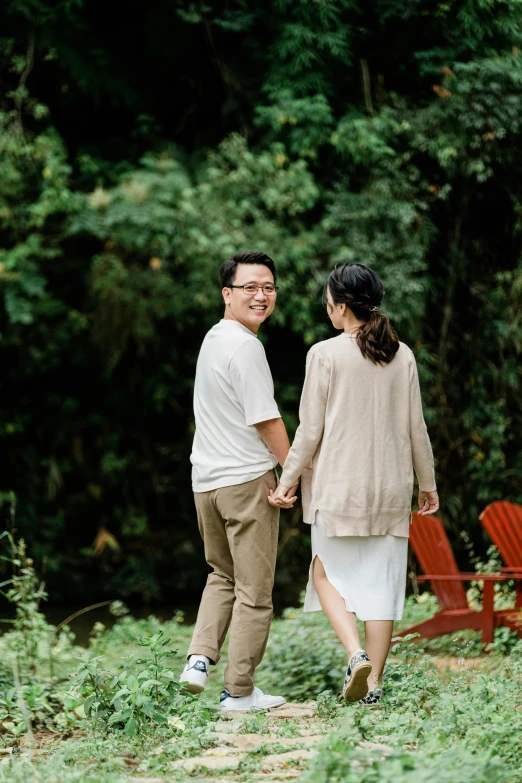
[
  {"x": 433, "y": 551},
  {"x": 502, "y": 521}
]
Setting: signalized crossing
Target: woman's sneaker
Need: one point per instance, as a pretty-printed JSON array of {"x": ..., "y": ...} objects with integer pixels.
[
  {"x": 356, "y": 681},
  {"x": 372, "y": 697},
  {"x": 256, "y": 701},
  {"x": 195, "y": 674}
]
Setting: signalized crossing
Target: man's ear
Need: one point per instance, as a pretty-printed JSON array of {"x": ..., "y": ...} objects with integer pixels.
[{"x": 227, "y": 293}]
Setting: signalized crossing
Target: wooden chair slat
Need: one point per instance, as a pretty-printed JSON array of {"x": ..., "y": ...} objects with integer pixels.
[
  {"x": 433, "y": 551},
  {"x": 503, "y": 523}
]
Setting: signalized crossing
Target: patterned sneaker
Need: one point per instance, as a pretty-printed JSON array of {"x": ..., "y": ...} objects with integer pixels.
[
  {"x": 195, "y": 674},
  {"x": 356, "y": 681},
  {"x": 372, "y": 698},
  {"x": 257, "y": 700}
]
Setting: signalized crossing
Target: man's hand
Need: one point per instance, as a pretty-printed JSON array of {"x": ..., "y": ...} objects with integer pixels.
[
  {"x": 283, "y": 497},
  {"x": 428, "y": 502}
]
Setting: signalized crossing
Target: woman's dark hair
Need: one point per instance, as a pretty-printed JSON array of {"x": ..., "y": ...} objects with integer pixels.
[
  {"x": 360, "y": 289},
  {"x": 227, "y": 272}
]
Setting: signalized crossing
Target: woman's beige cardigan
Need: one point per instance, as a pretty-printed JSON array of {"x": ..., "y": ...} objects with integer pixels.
[{"x": 361, "y": 436}]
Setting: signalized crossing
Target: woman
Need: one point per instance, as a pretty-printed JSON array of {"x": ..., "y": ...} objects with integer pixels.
[{"x": 361, "y": 435}]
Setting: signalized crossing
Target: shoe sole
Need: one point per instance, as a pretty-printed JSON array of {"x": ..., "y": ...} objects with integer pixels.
[
  {"x": 195, "y": 684},
  {"x": 357, "y": 688},
  {"x": 254, "y": 707},
  {"x": 193, "y": 687}
]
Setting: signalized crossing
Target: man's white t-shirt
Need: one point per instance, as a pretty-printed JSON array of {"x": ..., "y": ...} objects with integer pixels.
[{"x": 233, "y": 391}]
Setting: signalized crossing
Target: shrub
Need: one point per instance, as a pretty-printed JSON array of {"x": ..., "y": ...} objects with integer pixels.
[
  {"x": 144, "y": 691},
  {"x": 303, "y": 658}
]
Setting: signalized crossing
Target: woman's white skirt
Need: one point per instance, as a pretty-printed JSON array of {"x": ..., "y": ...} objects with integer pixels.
[{"x": 369, "y": 572}]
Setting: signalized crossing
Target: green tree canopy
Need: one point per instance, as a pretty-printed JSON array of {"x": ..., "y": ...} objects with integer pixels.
[{"x": 142, "y": 146}]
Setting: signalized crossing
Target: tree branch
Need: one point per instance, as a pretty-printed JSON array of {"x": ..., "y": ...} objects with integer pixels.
[
  {"x": 367, "y": 87},
  {"x": 29, "y": 63}
]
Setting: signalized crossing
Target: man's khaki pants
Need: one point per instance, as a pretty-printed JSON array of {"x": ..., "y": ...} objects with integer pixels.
[{"x": 239, "y": 529}]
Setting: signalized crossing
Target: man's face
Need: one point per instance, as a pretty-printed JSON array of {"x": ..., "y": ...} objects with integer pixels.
[{"x": 250, "y": 309}]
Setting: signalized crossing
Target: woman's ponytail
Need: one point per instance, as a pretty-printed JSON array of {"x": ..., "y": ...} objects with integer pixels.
[
  {"x": 377, "y": 339},
  {"x": 360, "y": 288}
]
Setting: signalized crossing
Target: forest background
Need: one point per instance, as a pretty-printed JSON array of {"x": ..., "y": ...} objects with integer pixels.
[{"x": 142, "y": 144}]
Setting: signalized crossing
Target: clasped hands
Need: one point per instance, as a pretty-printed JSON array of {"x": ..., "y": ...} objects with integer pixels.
[{"x": 283, "y": 497}]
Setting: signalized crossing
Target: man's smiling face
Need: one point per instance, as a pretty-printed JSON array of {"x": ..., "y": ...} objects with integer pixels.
[{"x": 250, "y": 309}]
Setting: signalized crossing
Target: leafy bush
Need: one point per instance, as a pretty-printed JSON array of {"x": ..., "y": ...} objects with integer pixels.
[
  {"x": 142, "y": 692},
  {"x": 36, "y": 660},
  {"x": 32, "y": 654},
  {"x": 112, "y": 232},
  {"x": 303, "y": 657}
]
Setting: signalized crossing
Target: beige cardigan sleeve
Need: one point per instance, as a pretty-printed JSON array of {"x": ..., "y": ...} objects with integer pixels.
[
  {"x": 422, "y": 453},
  {"x": 312, "y": 411}
]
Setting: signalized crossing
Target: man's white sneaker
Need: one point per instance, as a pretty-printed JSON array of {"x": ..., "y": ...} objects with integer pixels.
[
  {"x": 195, "y": 674},
  {"x": 256, "y": 701}
]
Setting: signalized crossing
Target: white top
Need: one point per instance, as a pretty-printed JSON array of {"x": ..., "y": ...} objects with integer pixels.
[{"x": 233, "y": 391}]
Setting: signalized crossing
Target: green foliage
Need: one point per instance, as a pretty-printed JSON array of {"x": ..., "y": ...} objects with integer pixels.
[
  {"x": 308, "y": 40},
  {"x": 125, "y": 698},
  {"x": 340, "y": 761},
  {"x": 44, "y": 688},
  {"x": 432, "y": 725},
  {"x": 304, "y": 658},
  {"x": 33, "y": 195},
  {"x": 327, "y": 705},
  {"x": 325, "y": 132},
  {"x": 452, "y": 730},
  {"x": 144, "y": 691},
  {"x": 31, "y": 654}
]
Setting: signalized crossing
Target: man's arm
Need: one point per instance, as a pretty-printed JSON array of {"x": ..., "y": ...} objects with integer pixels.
[
  {"x": 252, "y": 382},
  {"x": 273, "y": 433}
]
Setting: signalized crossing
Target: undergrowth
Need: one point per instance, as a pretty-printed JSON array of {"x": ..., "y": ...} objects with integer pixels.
[
  {"x": 115, "y": 711},
  {"x": 431, "y": 728}
]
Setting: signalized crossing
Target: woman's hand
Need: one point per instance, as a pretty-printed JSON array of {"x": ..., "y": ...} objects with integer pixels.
[
  {"x": 283, "y": 497},
  {"x": 428, "y": 502}
]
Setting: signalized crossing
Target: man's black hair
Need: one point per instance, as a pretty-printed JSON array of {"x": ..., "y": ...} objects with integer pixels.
[{"x": 229, "y": 267}]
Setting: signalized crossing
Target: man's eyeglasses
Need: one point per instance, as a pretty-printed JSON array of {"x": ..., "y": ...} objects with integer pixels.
[{"x": 250, "y": 290}]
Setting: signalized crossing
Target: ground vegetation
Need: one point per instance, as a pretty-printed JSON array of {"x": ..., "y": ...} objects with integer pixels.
[{"x": 114, "y": 712}]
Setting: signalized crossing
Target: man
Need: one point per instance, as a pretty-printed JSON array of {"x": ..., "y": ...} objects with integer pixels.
[{"x": 240, "y": 437}]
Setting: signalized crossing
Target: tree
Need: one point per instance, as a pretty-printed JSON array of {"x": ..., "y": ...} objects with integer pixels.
[{"x": 318, "y": 132}]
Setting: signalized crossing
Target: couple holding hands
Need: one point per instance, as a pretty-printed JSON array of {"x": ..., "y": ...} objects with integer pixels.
[{"x": 361, "y": 436}]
